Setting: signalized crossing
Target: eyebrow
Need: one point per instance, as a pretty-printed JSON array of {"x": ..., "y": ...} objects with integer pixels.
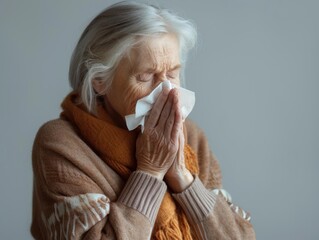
[{"x": 178, "y": 66}]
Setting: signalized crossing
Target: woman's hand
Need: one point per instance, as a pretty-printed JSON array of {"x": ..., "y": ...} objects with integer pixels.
[
  {"x": 178, "y": 177},
  {"x": 157, "y": 146}
]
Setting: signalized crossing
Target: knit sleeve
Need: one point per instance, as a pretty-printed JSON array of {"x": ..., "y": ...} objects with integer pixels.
[
  {"x": 205, "y": 203},
  {"x": 72, "y": 199}
]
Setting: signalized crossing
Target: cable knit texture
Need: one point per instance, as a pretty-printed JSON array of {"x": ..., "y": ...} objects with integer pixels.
[{"x": 86, "y": 186}]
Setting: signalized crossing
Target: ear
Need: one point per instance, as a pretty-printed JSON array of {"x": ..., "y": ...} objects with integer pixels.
[{"x": 99, "y": 86}]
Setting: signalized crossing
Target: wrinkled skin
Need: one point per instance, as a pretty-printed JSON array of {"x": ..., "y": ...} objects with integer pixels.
[{"x": 159, "y": 149}]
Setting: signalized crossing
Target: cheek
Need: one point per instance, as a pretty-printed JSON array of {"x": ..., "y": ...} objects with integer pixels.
[{"x": 132, "y": 94}]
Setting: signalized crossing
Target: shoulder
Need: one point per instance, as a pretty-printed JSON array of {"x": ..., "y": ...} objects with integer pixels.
[
  {"x": 55, "y": 130},
  {"x": 57, "y": 137},
  {"x": 58, "y": 152},
  {"x": 196, "y": 139},
  {"x": 209, "y": 169},
  {"x": 190, "y": 124},
  {"x": 60, "y": 158},
  {"x": 194, "y": 134}
]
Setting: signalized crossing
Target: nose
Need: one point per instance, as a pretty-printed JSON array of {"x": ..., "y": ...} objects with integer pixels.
[{"x": 161, "y": 77}]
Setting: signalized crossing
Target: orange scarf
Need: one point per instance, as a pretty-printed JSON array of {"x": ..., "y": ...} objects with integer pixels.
[{"x": 116, "y": 147}]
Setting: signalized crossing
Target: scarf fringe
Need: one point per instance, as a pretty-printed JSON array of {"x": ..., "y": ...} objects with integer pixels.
[{"x": 172, "y": 230}]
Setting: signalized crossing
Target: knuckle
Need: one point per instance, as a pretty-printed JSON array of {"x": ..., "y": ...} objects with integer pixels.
[{"x": 153, "y": 134}]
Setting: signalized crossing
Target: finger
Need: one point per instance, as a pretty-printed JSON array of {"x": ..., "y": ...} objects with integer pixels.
[
  {"x": 178, "y": 124},
  {"x": 157, "y": 109},
  {"x": 168, "y": 123},
  {"x": 162, "y": 121}
]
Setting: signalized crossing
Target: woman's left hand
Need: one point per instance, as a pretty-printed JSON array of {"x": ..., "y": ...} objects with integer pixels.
[{"x": 178, "y": 177}]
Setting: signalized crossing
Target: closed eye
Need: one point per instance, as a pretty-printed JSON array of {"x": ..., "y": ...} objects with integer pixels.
[
  {"x": 145, "y": 77},
  {"x": 172, "y": 74}
]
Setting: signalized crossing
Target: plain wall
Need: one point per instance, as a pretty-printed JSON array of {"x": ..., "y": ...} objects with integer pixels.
[{"x": 255, "y": 72}]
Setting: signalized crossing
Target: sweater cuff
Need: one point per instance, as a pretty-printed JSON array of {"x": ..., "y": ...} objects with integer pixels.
[
  {"x": 196, "y": 201},
  {"x": 143, "y": 193}
]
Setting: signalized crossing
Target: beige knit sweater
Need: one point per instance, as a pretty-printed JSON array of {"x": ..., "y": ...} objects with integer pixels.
[{"x": 77, "y": 196}]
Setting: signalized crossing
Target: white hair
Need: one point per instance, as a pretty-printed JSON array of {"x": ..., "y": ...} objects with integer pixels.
[{"x": 112, "y": 34}]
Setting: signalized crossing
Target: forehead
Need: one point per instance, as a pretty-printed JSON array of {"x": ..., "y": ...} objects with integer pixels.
[{"x": 156, "y": 52}]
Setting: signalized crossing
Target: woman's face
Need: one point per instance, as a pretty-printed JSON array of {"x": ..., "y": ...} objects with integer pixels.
[{"x": 148, "y": 64}]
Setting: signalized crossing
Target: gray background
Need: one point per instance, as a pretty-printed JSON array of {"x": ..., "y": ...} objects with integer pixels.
[{"x": 256, "y": 75}]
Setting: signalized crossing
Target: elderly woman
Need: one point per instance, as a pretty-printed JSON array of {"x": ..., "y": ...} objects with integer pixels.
[{"x": 95, "y": 179}]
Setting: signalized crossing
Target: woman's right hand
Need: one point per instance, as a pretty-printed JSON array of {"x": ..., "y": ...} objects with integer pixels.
[{"x": 157, "y": 146}]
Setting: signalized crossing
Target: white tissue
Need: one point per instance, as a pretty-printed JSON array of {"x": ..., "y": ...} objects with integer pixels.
[{"x": 145, "y": 104}]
